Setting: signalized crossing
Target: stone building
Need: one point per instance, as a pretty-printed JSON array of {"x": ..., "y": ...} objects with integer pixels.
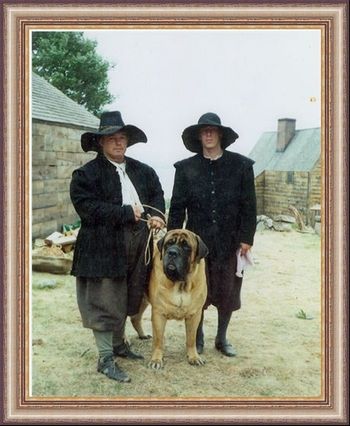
[
  {"x": 57, "y": 124},
  {"x": 288, "y": 169}
]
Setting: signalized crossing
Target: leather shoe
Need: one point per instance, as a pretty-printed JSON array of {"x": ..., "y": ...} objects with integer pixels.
[
  {"x": 226, "y": 348},
  {"x": 124, "y": 351},
  {"x": 109, "y": 368}
]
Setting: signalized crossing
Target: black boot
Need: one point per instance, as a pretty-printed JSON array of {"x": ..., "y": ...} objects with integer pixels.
[
  {"x": 200, "y": 336},
  {"x": 109, "y": 368},
  {"x": 124, "y": 351},
  {"x": 221, "y": 343}
]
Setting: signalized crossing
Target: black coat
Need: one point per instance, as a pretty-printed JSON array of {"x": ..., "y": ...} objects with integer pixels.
[
  {"x": 97, "y": 197},
  {"x": 219, "y": 199}
]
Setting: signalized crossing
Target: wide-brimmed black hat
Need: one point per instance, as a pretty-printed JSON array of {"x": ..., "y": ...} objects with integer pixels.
[
  {"x": 111, "y": 122},
  {"x": 190, "y": 135}
]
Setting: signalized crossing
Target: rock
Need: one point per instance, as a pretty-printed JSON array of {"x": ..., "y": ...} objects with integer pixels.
[
  {"x": 263, "y": 222},
  {"x": 282, "y": 227},
  {"x": 261, "y": 226},
  {"x": 39, "y": 242},
  {"x": 284, "y": 218},
  {"x": 269, "y": 222},
  {"x": 45, "y": 284}
]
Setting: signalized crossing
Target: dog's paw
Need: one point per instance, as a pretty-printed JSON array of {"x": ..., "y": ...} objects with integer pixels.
[
  {"x": 196, "y": 360},
  {"x": 156, "y": 364}
]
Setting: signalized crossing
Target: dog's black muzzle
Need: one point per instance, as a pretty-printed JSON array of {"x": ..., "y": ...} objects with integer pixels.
[{"x": 175, "y": 263}]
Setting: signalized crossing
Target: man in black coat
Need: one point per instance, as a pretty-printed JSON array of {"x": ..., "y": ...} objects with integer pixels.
[
  {"x": 215, "y": 190},
  {"x": 111, "y": 194}
]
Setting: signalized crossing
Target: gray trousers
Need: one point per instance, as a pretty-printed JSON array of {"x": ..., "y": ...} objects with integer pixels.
[{"x": 104, "y": 303}]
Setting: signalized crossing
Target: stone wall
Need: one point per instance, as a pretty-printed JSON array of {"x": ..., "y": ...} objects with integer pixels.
[
  {"x": 283, "y": 189},
  {"x": 277, "y": 190},
  {"x": 56, "y": 152},
  {"x": 259, "y": 190},
  {"x": 315, "y": 184}
]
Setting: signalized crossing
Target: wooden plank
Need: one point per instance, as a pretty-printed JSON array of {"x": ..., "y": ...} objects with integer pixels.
[{"x": 59, "y": 239}]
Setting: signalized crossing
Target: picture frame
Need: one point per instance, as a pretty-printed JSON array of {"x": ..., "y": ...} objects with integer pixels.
[{"x": 19, "y": 19}]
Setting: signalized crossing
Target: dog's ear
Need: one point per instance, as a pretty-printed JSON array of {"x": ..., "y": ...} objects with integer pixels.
[
  {"x": 160, "y": 244},
  {"x": 202, "y": 249}
]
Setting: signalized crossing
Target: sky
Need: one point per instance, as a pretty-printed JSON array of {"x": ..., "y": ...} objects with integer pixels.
[{"x": 164, "y": 80}]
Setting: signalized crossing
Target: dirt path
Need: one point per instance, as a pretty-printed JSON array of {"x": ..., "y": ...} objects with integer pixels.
[{"x": 279, "y": 354}]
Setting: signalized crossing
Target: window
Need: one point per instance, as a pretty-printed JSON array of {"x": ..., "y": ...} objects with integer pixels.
[{"x": 290, "y": 177}]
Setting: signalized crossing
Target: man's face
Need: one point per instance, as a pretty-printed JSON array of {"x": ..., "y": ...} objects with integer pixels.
[
  {"x": 114, "y": 146},
  {"x": 210, "y": 137}
]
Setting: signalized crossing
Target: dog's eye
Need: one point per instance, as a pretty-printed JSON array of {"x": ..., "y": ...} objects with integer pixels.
[
  {"x": 184, "y": 245},
  {"x": 169, "y": 243}
]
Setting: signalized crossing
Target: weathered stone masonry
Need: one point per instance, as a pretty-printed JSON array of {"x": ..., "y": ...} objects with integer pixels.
[{"x": 56, "y": 152}]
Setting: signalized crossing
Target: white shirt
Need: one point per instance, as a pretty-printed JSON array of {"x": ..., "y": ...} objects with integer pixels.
[{"x": 129, "y": 193}]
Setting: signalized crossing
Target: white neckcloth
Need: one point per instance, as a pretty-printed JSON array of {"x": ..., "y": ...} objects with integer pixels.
[{"x": 129, "y": 193}]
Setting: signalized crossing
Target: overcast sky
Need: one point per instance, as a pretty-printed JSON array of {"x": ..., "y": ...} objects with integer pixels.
[{"x": 164, "y": 80}]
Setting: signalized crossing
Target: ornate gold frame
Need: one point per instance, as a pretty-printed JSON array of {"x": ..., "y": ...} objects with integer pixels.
[{"x": 19, "y": 19}]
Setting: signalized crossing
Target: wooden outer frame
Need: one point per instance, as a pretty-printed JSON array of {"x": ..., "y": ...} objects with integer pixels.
[{"x": 331, "y": 19}]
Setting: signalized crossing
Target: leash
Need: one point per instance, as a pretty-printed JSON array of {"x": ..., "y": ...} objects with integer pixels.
[
  {"x": 147, "y": 258},
  {"x": 153, "y": 208},
  {"x": 152, "y": 232}
]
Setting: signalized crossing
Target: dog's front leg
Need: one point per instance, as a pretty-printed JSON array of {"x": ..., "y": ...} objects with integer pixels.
[
  {"x": 158, "y": 327},
  {"x": 192, "y": 323}
]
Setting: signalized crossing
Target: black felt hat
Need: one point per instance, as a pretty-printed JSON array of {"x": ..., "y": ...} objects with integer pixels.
[
  {"x": 190, "y": 135},
  {"x": 110, "y": 123}
]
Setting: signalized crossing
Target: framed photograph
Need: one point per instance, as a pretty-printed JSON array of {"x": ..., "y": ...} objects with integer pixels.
[{"x": 258, "y": 65}]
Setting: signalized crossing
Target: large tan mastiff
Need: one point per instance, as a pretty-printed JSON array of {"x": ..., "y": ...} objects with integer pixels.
[{"x": 177, "y": 290}]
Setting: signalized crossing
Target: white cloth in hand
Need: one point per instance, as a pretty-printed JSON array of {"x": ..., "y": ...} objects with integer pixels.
[{"x": 243, "y": 261}]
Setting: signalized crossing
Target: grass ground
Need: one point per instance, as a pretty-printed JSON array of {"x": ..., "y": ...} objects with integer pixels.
[{"x": 279, "y": 354}]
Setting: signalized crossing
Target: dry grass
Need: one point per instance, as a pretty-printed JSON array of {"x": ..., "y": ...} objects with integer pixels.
[{"x": 279, "y": 354}]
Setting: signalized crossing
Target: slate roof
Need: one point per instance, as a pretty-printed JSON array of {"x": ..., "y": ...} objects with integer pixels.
[
  {"x": 50, "y": 104},
  {"x": 301, "y": 153}
]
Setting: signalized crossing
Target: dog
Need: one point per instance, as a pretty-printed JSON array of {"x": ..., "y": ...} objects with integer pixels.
[{"x": 177, "y": 290}]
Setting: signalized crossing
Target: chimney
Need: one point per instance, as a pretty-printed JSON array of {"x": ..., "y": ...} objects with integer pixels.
[{"x": 285, "y": 133}]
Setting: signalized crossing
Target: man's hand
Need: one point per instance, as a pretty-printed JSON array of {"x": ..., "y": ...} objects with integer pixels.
[
  {"x": 155, "y": 222},
  {"x": 244, "y": 248},
  {"x": 137, "y": 212}
]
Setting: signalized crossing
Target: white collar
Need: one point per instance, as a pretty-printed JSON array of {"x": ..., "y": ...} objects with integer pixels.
[
  {"x": 118, "y": 165},
  {"x": 214, "y": 158}
]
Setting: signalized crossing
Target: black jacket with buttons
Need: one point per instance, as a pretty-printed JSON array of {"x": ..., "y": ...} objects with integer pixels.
[
  {"x": 219, "y": 199},
  {"x": 97, "y": 197}
]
